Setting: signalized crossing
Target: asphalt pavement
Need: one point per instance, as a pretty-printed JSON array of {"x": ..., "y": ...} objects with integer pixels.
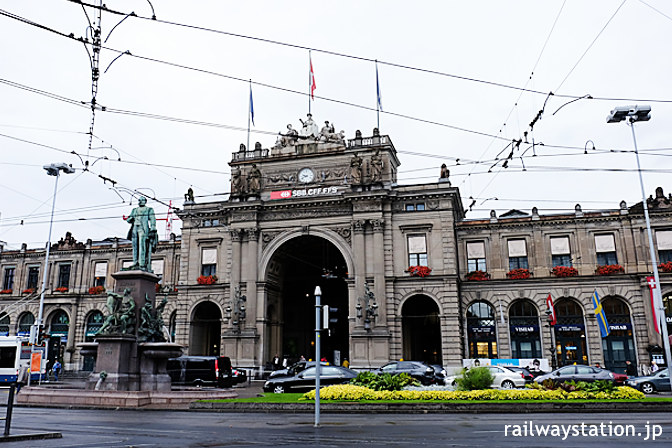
[{"x": 132, "y": 428}]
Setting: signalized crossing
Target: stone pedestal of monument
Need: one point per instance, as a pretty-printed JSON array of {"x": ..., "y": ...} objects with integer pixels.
[{"x": 122, "y": 363}]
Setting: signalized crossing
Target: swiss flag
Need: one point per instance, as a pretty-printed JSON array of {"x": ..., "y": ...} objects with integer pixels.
[
  {"x": 651, "y": 281},
  {"x": 313, "y": 86},
  {"x": 552, "y": 318}
]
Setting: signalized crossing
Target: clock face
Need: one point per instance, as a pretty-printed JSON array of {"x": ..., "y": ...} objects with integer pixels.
[{"x": 306, "y": 175}]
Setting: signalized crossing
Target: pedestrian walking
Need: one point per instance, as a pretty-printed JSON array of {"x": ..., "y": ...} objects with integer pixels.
[
  {"x": 630, "y": 369},
  {"x": 56, "y": 369}
]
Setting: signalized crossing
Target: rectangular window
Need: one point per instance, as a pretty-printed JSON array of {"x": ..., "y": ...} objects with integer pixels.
[
  {"x": 664, "y": 243},
  {"x": 157, "y": 267},
  {"x": 8, "y": 282},
  {"x": 100, "y": 273},
  {"x": 209, "y": 262},
  {"x": 33, "y": 277},
  {"x": 517, "y": 254},
  {"x": 605, "y": 247},
  {"x": 126, "y": 264},
  {"x": 415, "y": 207},
  {"x": 476, "y": 257},
  {"x": 417, "y": 250},
  {"x": 64, "y": 275},
  {"x": 560, "y": 254}
]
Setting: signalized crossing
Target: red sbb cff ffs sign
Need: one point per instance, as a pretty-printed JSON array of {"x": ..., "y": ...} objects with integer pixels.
[{"x": 284, "y": 194}]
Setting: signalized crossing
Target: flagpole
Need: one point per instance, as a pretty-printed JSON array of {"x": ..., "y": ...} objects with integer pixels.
[
  {"x": 249, "y": 114},
  {"x": 377, "y": 98},
  {"x": 310, "y": 78}
]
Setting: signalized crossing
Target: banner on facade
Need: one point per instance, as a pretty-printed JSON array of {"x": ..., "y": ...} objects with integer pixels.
[{"x": 531, "y": 363}]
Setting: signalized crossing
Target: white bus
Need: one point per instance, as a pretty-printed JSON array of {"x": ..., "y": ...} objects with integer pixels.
[{"x": 15, "y": 352}]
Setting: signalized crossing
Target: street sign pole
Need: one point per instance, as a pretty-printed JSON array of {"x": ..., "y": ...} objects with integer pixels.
[{"x": 318, "y": 306}]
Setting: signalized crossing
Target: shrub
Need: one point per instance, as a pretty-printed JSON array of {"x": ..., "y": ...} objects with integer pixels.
[
  {"x": 476, "y": 378},
  {"x": 348, "y": 392},
  {"x": 384, "y": 381}
]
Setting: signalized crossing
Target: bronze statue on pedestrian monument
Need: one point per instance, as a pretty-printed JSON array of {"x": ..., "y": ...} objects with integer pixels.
[{"x": 143, "y": 235}]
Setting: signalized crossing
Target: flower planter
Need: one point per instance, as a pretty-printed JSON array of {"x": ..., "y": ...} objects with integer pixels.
[
  {"x": 609, "y": 269},
  {"x": 419, "y": 271},
  {"x": 61, "y": 289},
  {"x": 518, "y": 274},
  {"x": 206, "y": 280},
  {"x": 6, "y": 291},
  {"x": 28, "y": 291},
  {"x": 94, "y": 290},
  {"x": 477, "y": 276},
  {"x": 665, "y": 267},
  {"x": 564, "y": 271}
]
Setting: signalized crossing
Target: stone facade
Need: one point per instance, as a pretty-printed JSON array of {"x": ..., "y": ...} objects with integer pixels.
[{"x": 394, "y": 260}]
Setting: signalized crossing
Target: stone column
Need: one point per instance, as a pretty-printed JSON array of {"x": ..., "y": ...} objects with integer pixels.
[
  {"x": 72, "y": 334},
  {"x": 254, "y": 312},
  {"x": 359, "y": 255},
  {"x": 379, "y": 271},
  {"x": 235, "y": 257}
]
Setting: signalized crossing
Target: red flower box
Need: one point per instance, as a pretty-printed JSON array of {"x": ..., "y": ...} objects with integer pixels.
[
  {"x": 6, "y": 291},
  {"x": 61, "y": 289},
  {"x": 419, "y": 271},
  {"x": 665, "y": 267},
  {"x": 518, "y": 274},
  {"x": 28, "y": 291},
  {"x": 96, "y": 290},
  {"x": 609, "y": 269},
  {"x": 207, "y": 280},
  {"x": 477, "y": 276},
  {"x": 564, "y": 271}
]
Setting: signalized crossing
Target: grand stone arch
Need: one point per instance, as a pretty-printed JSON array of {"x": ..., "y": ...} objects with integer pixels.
[
  {"x": 205, "y": 328},
  {"x": 420, "y": 315},
  {"x": 290, "y": 268}
]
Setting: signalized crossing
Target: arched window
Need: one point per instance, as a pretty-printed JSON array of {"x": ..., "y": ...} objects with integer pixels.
[
  {"x": 481, "y": 330},
  {"x": 619, "y": 345},
  {"x": 570, "y": 333},
  {"x": 524, "y": 327},
  {"x": 93, "y": 323},
  {"x": 60, "y": 324},
  {"x": 4, "y": 326},
  {"x": 172, "y": 325},
  {"x": 26, "y": 320}
]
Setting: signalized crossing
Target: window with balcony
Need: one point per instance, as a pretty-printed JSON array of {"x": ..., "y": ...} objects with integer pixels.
[
  {"x": 517, "y": 255},
  {"x": 33, "y": 277},
  {"x": 476, "y": 256},
  {"x": 664, "y": 243},
  {"x": 417, "y": 250},
  {"x": 560, "y": 253},
  {"x": 209, "y": 262},
  {"x": 605, "y": 248},
  {"x": 100, "y": 273},
  {"x": 8, "y": 280},
  {"x": 64, "y": 275}
]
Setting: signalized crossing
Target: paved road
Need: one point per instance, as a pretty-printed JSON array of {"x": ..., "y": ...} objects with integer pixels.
[{"x": 124, "y": 428}]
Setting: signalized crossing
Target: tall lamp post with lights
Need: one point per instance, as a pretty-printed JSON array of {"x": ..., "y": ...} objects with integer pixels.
[
  {"x": 53, "y": 169},
  {"x": 632, "y": 114}
]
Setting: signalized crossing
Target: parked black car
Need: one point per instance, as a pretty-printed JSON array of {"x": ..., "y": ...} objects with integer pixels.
[
  {"x": 440, "y": 374},
  {"x": 656, "y": 382},
  {"x": 418, "y": 370},
  {"x": 305, "y": 380},
  {"x": 295, "y": 368},
  {"x": 204, "y": 371},
  {"x": 581, "y": 373}
]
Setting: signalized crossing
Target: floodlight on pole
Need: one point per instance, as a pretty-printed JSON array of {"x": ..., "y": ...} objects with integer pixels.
[
  {"x": 53, "y": 169},
  {"x": 633, "y": 114}
]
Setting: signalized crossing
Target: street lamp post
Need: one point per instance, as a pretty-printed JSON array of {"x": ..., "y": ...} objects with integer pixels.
[
  {"x": 318, "y": 306},
  {"x": 53, "y": 169},
  {"x": 633, "y": 114}
]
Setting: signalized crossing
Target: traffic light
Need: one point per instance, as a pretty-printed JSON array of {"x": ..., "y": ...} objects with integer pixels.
[{"x": 329, "y": 318}]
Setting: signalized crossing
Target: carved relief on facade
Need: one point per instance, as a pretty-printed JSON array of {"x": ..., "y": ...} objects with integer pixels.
[
  {"x": 358, "y": 225},
  {"x": 343, "y": 232},
  {"x": 267, "y": 237},
  {"x": 252, "y": 233},
  {"x": 284, "y": 215},
  {"x": 377, "y": 224},
  {"x": 236, "y": 235}
]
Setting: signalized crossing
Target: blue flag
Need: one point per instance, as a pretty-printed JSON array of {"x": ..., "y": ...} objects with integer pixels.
[
  {"x": 380, "y": 102},
  {"x": 251, "y": 106},
  {"x": 601, "y": 317}
]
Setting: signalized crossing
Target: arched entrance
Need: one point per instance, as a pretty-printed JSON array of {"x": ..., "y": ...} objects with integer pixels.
[
  {"x": 524, "y": 326},
  {"x": 481, "y": 330},
  {"x": 4, "y": 326},
  {"x": 294, "y": 270},
  {"x": 570, "y": 333},
  {"x": 421, "y": 330},
  {"x": 26, "y": 320},
  {"x": 205, "y": 330},
  {"x": 619, "y": 346},
  {"x": 94, "y": 321}
]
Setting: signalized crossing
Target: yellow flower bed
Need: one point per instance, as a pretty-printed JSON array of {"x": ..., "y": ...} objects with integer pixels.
[{"x": 348, "y": 392}]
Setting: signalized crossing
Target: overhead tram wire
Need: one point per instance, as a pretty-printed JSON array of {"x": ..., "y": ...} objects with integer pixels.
[{"x": 349, "y": 56}]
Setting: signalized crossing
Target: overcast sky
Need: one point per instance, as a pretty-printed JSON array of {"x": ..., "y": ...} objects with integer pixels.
[{"x": 451, "y": 75}]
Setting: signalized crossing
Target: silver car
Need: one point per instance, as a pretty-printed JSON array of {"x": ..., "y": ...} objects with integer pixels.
[{"x": 504, "y": 378}]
